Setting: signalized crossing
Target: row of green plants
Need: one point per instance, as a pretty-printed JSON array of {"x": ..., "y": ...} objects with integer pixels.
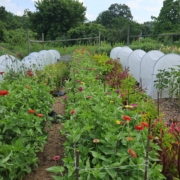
[
  {"x": 26, "y": 102},
  {"x": 113, "y": 125}
]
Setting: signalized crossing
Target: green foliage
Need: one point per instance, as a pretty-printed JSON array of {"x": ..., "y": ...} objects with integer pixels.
[
  {"x": 55, "y": 18},
  {"x": 169, "y": 18},
  {"x": 84, "y": 31},
  {"x": 22, "y": 133}
]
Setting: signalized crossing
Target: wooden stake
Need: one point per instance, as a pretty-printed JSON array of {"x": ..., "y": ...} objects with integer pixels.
[
  {"x": 158, "y": 103},
  {"x": 147, "y": 152},
  {"x": 77, "y": 165}
]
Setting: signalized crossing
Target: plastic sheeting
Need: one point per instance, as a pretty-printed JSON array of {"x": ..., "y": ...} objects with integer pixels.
[
  {"x": 146, "y": 67},
  {"x": 164, "y": 63},
  {"x": 133, "y": 63},
  {"x": 123, "y": 56},
  {"x": 114, "y": 52}
]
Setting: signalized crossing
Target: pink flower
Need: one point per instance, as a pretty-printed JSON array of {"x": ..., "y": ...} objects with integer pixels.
[
  {"x": 78, "y": 80},
  {"x": 96, "y": 141},
  {"x": 107, "y": 77},
  {"x": 56, "y": 158},
  {"x": 80, "y": 89},
  {"x": 118, "y": 91},
  {"x": 134, "y": 105},
  {"x": 76, "y": 71},
  {"x": 107, "y": 93},
  {"x": 65, "y": 97},
  {"x": 90, "y": 69}
]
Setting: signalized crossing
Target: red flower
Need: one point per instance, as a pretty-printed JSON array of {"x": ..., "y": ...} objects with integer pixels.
[
  {"x": 40, "y": 115},
  {"x": 72, "y": 112},
  {"x": 139, "y": 127},
  {"x": 4, "y": 92},
  {"x": 1, "y": 73},
  {"x": 80, "y": 89},
  {"x": 145, "y": 124},
  {"x": 132, "y": 153},
  {"x": 31, "y": 111},
  {"x": 29, "y": 73},
  {"x": 127, "y": 118},
  {"x": 56, "y": 158}
]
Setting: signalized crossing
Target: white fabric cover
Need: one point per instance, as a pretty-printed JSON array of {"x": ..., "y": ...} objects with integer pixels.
[
  {"x": 39, "y": 57},
  {"x": 114, "y": 52},
  {"x": 147, "y": 66},
  {"x": 12, "y": 63},
  {"x": 165, "y": 62},
  {"x": 133, "y": 63},
  {"x": 47, "y": 57},
  {"x": 56, "y": 55},
  {"x": 123, "y": 55},
  {"x": 2, "y": 69}
]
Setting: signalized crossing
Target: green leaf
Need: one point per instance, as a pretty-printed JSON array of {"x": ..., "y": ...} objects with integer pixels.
[
  {"x": 112, "y": 173},
  {"x": 55, "y": 169},
  {"x": 7, "y": 158}
]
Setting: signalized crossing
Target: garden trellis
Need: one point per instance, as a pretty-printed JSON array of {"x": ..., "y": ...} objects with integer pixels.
[{"x": 144, "y": 66}]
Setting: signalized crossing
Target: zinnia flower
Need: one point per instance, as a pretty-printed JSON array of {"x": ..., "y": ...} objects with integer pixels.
[
  {"x": 80, "y": 89},
  {"x": 127, "y": 118},
  {"x": 72, "y": 112},
  {"x": 139, "y": 127},
  {"x": 129, "y": 138},
  {"x": 40, "y": 115},
  {"x": 132, "y": 153},
  {"x": 134, "y": 105},
  {"x": 1, "y": 73},
  {"x": 118, "y": 91},
  {"x": 150, "y": 137},
  {"x": 56, "y": 158},
  {"x": 145, "y": 124},
  {"x": 118, "y": 122},
  {"x": 28, "y": 87},
  {"x": 31, "y": 111},
  {"x": 3, "y": 92},
  {"x": 111, "y": 101},
  {"x": 29, "y": 73},
  {"x": 96, "y": 141}
]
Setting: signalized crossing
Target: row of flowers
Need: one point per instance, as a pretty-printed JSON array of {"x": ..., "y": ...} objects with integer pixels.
[
  {"x": 25, "y": 105},
  {"x": 109, "y": 127}
]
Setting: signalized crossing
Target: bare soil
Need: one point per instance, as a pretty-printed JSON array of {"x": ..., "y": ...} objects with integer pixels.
[{"x": 53, "y": 147}]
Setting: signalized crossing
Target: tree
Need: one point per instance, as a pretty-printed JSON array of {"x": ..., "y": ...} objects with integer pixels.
[
  {"x": 114, "y": 11},
  {"x": 86, "y": 30},
  {"x": 55, "y": 17},
  {"x": 169, "y": 17}
]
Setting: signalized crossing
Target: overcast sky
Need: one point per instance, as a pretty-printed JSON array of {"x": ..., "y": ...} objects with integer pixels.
[{"x": 141, "y": 10}]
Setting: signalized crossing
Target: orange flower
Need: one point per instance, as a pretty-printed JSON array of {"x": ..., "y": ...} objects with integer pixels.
[
  {"x": 72, "y": 112},
  {"x": 29, "y": 73},
  {"x": 127, "y": 118},
  {"x": 31, "y": 111},
  {"x": 132, "y": 153},
  {"x": 40, "y": 115},
  {"x": 129, "y": 138},
  {"x": 28, "y": 87},
  {"x": 145, "y": 124},
  {"x": 150, "y": 137},
  {"x": 139, "y": 127}
]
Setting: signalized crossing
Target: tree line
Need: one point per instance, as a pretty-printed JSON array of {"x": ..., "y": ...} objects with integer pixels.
[{"x": 65, "y": 19}]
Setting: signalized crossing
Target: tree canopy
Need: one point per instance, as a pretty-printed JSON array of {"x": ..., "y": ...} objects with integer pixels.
[
  {"x": 169, "y": 17},
  {"x": 114, "y": 11},
  {"x": 55, "y": 17}
]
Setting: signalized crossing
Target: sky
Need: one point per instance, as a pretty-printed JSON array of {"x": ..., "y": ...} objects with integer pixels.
[{"x": 141, "y": 10}]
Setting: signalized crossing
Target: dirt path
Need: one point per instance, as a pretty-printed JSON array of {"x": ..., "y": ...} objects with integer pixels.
[{"x": 54, "y": 147}]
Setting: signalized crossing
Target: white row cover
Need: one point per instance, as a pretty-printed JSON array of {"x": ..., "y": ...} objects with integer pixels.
[
  {"x": 145, "y": 65},
  {"x": 34, "y": 61}
]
